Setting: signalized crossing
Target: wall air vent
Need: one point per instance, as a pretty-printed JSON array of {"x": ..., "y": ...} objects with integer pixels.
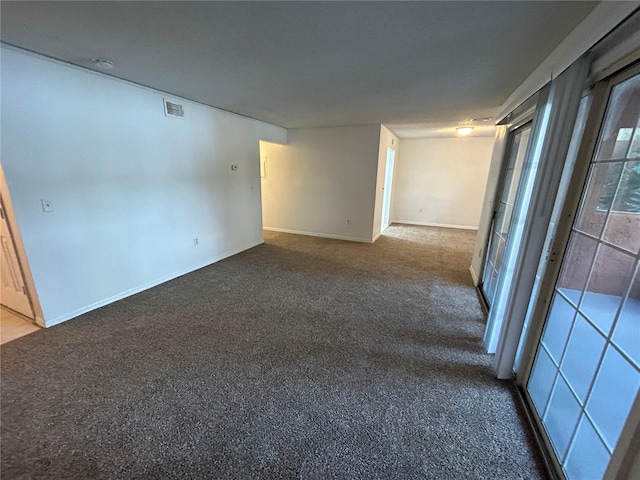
[{"x": 173, "y": 109}]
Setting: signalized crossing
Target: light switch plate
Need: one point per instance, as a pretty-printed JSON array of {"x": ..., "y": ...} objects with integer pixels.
[{"x": 46, "y": 206}]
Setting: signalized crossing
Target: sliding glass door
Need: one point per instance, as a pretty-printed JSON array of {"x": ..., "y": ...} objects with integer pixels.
[
  {"x": 503, "y": 213},
  {"x": 586, "y": 372}
]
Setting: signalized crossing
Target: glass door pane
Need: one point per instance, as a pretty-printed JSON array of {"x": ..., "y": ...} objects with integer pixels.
[
  {"x": 586, "y": 373},
  {"x": 502, "y": 220}
]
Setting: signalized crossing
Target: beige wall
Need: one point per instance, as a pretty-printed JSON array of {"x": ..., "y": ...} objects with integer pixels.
[
  {"x": 441, "y": 181},
  {"x": 323, "y": 182}
]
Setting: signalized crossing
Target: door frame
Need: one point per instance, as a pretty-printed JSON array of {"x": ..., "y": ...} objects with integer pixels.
[
  {"x": 517, "y": 119},
  {"x": 552, "y": 138},
  {"x": 512, "y": 129},
  {"x": 628, "y": 445},
  {"x": 21, "y": 253},
  {"x": 388, "y": 183},
  {"x": 561, "y": 239}
]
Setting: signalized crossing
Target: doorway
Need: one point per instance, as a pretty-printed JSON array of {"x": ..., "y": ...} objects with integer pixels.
[
  {"x": 501, "y": 224},
  {"x": 20, "y": 311},
  {"x": 590, "y": 344},
  {"x": 388, "y": 185},
  {"x": 14, "y": 290}
]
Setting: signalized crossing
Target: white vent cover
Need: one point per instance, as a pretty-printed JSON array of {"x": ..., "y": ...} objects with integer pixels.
[{"x": 173, "y": 109}]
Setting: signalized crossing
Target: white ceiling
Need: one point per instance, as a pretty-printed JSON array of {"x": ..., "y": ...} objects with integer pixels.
[
  {"x": 309, "y": 64},
  {"x": 440, "y": 129}
]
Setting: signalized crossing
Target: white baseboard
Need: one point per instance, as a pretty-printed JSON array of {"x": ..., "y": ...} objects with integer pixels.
[
  {"x": 441, "y": 225},
  {"x": 146, "y": 286},
  {"x": 321, "y": 235},
  {"x": 376, "y": 237},
  {"x": 474, "y": 276}
]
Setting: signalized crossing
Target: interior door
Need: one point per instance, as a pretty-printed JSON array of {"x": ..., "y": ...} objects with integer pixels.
[
  {"x": 586, "y": 372},
  {"x": 503, "y": 213},
  {"x": 14, "y": 292}
]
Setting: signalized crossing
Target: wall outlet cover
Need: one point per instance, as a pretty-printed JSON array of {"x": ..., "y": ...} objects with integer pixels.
[{"x": 46, "y": 206}]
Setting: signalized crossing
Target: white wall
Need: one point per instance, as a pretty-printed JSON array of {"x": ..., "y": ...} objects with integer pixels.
[
  {"x": 130, "y": 187},
  {"x": 320, "y": 179},
  {"x": 441, "y": 181},
  {"x": 387, "y": 140}
]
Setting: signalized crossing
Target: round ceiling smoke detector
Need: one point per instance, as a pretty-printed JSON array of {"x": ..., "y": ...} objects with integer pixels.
[{"x": 102, "y": 63}]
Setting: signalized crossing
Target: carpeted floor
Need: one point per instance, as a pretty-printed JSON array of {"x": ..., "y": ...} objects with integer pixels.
[{"x": 301, "y": 358}]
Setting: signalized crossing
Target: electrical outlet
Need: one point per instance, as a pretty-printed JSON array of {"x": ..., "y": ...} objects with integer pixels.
[
  {"x": 46, "y": 206},
  {"x": 195, "y": 241}
]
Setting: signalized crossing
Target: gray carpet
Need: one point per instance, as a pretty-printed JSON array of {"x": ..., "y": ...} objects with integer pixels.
[{"x": 301, "y": 358}]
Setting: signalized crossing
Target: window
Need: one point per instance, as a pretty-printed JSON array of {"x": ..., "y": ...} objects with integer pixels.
[{"x": 621, "y": 150}]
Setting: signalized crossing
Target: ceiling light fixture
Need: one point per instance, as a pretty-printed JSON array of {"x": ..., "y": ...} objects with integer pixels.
[
  {"x": 102, "y": 63},
  {"x": 464, "y": 130}
]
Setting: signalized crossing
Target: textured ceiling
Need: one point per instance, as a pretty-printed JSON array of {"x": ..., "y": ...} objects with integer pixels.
[{"x": 303, "y": 64}]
